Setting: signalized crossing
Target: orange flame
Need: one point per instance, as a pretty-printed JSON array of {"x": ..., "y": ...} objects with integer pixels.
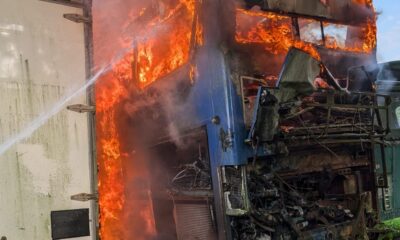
[
  {"x": 367, "y": 3},
  {"x": 367, "y": 35},
  {"x": 158, "y": 56},
  {"x": 274, "y": 32},
  {"x": 166, "y": 47},
  {"x": 110, "y": 175},
  {"x": 193, "y": 73},
  {"x": 199, "y": 33}
]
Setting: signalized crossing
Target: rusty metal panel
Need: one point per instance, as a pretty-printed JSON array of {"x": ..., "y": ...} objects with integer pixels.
[
  {"x": 284, "y": 5},
  {"x": 314, "y": 8},
  {"x": 336, "y": 10},
  {"x": 306, "y": 7}
]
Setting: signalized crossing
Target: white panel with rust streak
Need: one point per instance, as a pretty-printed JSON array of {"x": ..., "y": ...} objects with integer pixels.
[{"x": 41, "y": 58}]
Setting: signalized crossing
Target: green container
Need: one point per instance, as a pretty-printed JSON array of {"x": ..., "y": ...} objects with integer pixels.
[{"x": 388, "y": 83}]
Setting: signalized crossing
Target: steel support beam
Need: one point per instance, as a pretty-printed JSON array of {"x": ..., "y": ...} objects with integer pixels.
[
  {"x": 90, "y": 101},
  {"x": 69, "y": 3}
]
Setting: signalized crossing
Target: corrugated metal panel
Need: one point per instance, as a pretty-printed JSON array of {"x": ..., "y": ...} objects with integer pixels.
[
  {"x": 307, "y": 7},
  {"x": 194, "y": 222}
]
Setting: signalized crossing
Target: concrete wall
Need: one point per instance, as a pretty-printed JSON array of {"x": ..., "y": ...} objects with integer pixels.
[{"x": 41, "y": 59}]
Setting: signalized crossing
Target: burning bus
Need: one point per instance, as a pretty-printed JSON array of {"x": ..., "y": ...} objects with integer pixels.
[{"x": 243, "y": 119}]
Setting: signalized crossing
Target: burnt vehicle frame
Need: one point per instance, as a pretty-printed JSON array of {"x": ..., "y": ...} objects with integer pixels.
[{"x": 236, "y": 157}]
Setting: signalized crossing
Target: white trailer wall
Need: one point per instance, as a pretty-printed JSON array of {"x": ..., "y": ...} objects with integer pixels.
[{"x": 42, "y": 56}]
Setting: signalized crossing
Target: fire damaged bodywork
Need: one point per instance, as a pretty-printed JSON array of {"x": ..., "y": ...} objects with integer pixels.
[
  {"x": 272, "y": 128},
  {"x": 334, "y": 10},
  {"x": 289, "y": 160},
  {"x": 314, "y": 178}
]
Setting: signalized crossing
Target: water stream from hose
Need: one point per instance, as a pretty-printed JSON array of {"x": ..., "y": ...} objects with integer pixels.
[{"x": 57, "y": 107}]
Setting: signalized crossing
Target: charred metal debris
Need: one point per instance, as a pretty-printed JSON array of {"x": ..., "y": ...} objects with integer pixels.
[{"x": 311, "y": 176}]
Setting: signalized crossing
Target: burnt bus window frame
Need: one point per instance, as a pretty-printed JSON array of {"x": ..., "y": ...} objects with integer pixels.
[
  {"x": 302, "y": 23},
  {"x": 191, "y": 51},
  {"x": 323, "y": 25}
]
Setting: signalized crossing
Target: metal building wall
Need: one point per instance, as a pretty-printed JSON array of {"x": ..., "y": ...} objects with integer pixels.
[{"x": 42, "y": 56}]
